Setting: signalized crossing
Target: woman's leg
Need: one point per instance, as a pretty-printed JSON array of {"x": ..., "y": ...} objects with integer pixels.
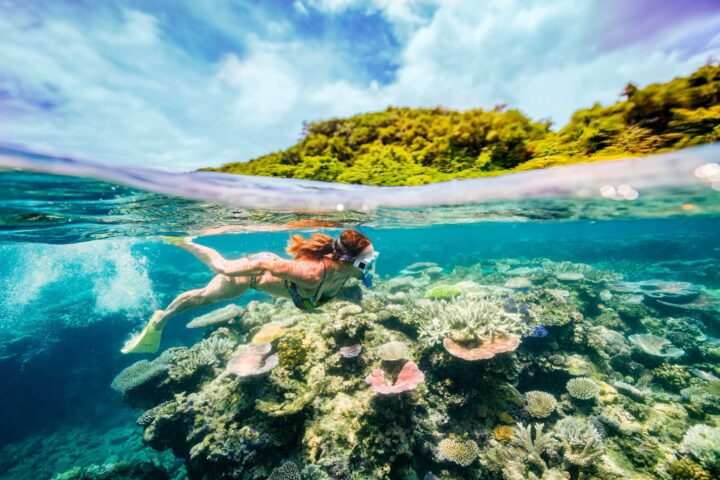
[
  {"x": 220, "y": 288},
  {"x": 207, "y": 255},
  {"x": 211, "y": 257}
]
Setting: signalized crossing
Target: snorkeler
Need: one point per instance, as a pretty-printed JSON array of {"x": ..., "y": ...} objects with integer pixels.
[{"x": 319, "y": 269}]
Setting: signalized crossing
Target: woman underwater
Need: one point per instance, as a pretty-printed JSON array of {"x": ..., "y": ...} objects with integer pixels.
[{"x": 319, "y": 269}]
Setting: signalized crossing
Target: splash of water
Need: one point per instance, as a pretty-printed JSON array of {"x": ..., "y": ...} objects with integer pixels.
[{"x": 109, "y": 273}]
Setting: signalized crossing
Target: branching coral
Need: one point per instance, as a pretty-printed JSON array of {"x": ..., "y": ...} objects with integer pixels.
[
  {"x": 549, "y": 308},
  {"x": 580, "y": 440},
  {"x": 210, "y": 352},
  {"x": 468, "y": 319},
  {"x": 703, "y": 444}
]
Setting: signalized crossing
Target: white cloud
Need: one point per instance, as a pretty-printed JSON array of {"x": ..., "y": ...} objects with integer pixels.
[{"x": 124, "y": 92}]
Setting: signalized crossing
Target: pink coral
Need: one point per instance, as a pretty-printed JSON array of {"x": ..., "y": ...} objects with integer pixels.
[
  {"x": 251, "y": 360},
  {"x": 488, "y": 349},
  {"x": 410, "y": 377}
]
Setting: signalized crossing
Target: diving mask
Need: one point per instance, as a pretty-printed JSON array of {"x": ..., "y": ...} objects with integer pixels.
[{"x": 366, "y": 264}]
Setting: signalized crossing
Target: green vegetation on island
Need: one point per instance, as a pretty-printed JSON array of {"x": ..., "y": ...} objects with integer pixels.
[{"x": 408, "y": 146}]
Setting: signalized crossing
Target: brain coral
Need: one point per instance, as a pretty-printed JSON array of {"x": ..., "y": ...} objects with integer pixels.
[
  {"x": 141, "y": 372},
  {"x": 393, "y": 351},
  {"x": 462, "y": 453},
  {"x": 583, "y": 388},
  {"x": 539, "y": 404}
]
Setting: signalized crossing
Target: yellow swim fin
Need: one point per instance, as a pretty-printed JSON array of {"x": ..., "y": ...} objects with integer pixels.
[
  {"x": 177, "y": 241},
  {"x": 147, "y": 341}
]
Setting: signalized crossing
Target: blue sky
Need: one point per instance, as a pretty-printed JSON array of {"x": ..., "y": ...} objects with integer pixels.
[{"x": 181, "y": 85}]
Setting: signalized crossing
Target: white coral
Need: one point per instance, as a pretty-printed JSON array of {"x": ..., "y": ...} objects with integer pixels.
[{"x": 476, "y": 317}]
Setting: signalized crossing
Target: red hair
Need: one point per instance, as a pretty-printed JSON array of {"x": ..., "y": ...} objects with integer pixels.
[{"x": 320, "y": 245}]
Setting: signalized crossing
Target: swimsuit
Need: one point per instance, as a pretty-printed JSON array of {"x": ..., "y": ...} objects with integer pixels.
[{"x": 303, "y": 303}]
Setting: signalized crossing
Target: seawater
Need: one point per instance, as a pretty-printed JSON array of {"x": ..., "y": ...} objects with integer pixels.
[{"x": 82, "y": 268}]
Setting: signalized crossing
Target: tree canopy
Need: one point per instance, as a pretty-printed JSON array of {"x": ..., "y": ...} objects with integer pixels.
[{"x": 414, "y": 146}]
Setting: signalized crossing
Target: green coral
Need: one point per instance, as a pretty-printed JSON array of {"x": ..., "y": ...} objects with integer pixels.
[
  {"x": 540, "y": 404},
  {"x": 673, "y": 377},
  {"x": 443, "y": 292},
  {"x": 583, "y": 388},
  {"x": 686, "y": 469}
]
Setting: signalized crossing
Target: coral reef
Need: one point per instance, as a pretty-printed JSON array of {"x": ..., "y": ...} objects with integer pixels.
[
  {"x": 116, "y": 471},
  {"x": 424, "y": 374}
]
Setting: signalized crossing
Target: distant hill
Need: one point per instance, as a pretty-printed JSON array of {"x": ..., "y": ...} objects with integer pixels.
[{"x": 408, "y": 146}]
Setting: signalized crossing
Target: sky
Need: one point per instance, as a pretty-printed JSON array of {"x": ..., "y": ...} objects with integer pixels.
[{"x": 186, "y": 84}]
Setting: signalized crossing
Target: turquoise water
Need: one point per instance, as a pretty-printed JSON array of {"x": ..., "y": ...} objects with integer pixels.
[{"x": 82, "y": 268}]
